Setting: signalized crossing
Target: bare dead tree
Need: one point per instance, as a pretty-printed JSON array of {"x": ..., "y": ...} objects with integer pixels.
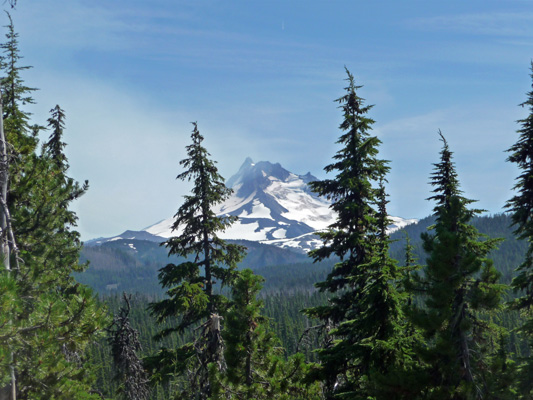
[
  {"x": 209, "y": 348},
  {"x": 10, "y": 391},
  {"x": 124, "y": 342}
]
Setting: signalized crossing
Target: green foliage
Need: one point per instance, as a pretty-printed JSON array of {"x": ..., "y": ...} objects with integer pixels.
[
  {"x": 190, "y": 284},
  {"x": 244, "y": 331},
  {"x": 521, "y": 207},
  {"x": 281, "y": 310},
  {"x": 19, "y": 134},
  {"x": 255, "y": 364},
  {"x": 460, "y": 289},
  {"x": 55, "y": 145},
  {"x": 503, "y": 376},
  {"x": 365, "y": 311},
  {"x": 51, "y": 318},
  {"x": 507, "y": 257}
]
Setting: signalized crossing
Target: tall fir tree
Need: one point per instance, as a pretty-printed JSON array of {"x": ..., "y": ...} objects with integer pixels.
[
  {"x": 503, "y": 383},
  {"x": 365, "y": 305},
  {"x": 15, "y": 95},
  {"x": 521, "y": 208},
  {"x": 190, "y": 284},
  {"x": 409, "y": 267},
  {"x": 59, "y": 317},
  {"x": 391, "y": 349},
  {"x": 52, "y": 317},
  {"x": 8, "y": 295},
  {"x": 245, "y": 338},
  {"x": 460, "y": 288}
]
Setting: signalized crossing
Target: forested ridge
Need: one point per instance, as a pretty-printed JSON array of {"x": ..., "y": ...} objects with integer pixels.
[
  {"x": 115, "y": 267},
  {"x": 439, "y": 310}
]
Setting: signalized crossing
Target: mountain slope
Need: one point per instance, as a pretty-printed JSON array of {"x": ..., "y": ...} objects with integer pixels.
[{"x": 271, "y": 203}]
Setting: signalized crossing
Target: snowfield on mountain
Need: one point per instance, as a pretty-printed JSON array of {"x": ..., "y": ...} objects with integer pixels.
[{"x": 275, "y": 207}]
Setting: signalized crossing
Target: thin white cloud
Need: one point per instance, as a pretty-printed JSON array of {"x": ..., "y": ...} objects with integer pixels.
[
  {"x": 164, "y": 31},
  {"x": 73, "y": 24}
]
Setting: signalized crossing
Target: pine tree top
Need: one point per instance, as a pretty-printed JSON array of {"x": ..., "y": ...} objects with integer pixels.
[
  {"x": 521, "y": 205},
  {"x": 444, "y": 177},
  {"x": 55, "y": 145},
  {"x": 352, "y": 190}
]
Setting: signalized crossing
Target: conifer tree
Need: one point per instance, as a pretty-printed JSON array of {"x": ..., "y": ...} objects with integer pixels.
[
  {"x": 502, "y": 377},
  {"x": 7, "y": 283},
  {"x": 190, "y": 284},
  {"x": 59, "y": 317},
  {"x": 124, "y": 342},
  {"x": 255, "y": 364},
  {"x": 521, "y": 208},
  {"x": 409, "y": 267},
  {"x": 391, "y": 349},
  {"x": 55, "y": 145},
  {"x": 15, "y": 94},
  {"x": 460, "y": 287},
  {"x": 365, "y": 308},
  {"x": 52, "y": 318},
  {"x": 244, "y": 331}
]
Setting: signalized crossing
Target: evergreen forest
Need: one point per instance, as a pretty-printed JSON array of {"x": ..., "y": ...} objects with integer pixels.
[{"x": 438, "y": 310}]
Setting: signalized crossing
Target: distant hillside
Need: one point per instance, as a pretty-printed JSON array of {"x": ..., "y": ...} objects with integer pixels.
[
  {"x": 506, "y": 258},
  {"x": 131, "y": 265}
]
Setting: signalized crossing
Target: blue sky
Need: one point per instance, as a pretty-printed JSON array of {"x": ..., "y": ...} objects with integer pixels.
[{"x": 260, "y": 78}]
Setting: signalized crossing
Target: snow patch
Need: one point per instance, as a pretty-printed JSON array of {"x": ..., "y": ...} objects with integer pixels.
[
  {"x": 163, "y": 228},
  {"x": 399, "y": 223},
  {"x": 246, "y": 231},
  {"x": 302, "y": 206},
  {"x": 280, "y": 233},
  {"x": 233, "y": 203},
  {"x": 260, "y": 211}
]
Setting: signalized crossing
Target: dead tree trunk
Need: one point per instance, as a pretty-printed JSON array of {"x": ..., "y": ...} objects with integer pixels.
[{"x": 10, "y": 391}]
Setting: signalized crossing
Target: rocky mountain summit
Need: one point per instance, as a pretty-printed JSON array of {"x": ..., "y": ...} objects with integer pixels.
[{"x": 274, "y": 206}]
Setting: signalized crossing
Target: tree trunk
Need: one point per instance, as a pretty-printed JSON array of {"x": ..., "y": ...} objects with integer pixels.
[
  {"x": 8, "y": 392},
  {"x": 249, "y": 379}
]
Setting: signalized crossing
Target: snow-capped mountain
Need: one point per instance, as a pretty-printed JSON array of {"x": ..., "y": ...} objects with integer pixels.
[{"x": 274, "y": 206}]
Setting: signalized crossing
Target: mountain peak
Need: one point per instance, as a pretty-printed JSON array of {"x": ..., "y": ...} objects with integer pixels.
[
  {"x": 273, "y": 205},
  {"x": 251, "y": 175},
  {"x": 246, "y": 166}
]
